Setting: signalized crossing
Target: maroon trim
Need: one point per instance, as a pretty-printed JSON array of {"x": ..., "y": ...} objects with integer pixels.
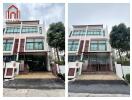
[
  {"x": 81, "y": 47},
  {"x": 9, "y": 72},
  {"x": 71, "y": 72},
  {"x": 13, "y": 6},
  {"x": 22, "y": 45},
  {"x": 14, "y": 15},
  {"x": 15, "y": 46},
  {"x": 86, "y": 46}
]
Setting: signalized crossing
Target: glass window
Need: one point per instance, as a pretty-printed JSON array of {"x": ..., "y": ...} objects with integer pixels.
[
  {"x": 94, "y": 47},
  {"x": 98, "y": 46},
  {"x": 93, "y": 32},
  {"x": 12, "y": 30},
  {"x": 29, "y": 29},
  {"x": 40, "y": 30},
  {"x": 73, "y": 45},
  {"x": 34, "y": 44},
  {"x": 73, "y": 58},
  {"x": 78, "y": 33},
  {"x": 7, "y": 45}
]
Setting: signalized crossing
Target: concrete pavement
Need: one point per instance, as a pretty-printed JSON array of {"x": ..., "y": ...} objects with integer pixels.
[{"x": 33, "y": 92}]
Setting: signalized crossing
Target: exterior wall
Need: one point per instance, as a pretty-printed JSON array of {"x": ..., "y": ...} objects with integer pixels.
[
  {"x": 25, "y": 36},
  {"x": 85, "y": 40},
  {"x": 19, "y": 39}
]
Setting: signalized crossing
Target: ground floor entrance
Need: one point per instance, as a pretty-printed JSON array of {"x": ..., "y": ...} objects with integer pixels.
[
  {"x": 29, "y": 61},
  {"x": 35, "y": 61},
  {"x": 96, "y": 62}
]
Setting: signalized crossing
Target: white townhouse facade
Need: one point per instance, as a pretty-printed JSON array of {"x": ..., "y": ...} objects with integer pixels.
[
  {"x": 25, "y": 41},
  {"x": 89, "y": 50}
]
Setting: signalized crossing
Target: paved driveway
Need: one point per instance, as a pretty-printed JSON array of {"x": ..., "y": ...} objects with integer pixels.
[
  {"x": 35, "y": 84},
  {"x": 34, "y": 87},
  {"x": 88, "y": 87}
]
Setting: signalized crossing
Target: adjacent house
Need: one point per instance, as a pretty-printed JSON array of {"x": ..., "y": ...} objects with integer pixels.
[{"x": 89, "y": 50}]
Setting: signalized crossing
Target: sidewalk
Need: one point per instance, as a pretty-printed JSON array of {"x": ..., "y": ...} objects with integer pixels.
[
  {"x": 33, "y": 92},
  {"x": 97, "y": 95}
]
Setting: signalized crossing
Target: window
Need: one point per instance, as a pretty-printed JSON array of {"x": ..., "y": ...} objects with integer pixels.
[
  {"x": 29, "y": 29},
  {"x": 78, "y": 33},
  {"x": 94, "y": 32},
  {"x": 73, "y": 58},
  {"x": 40, "y": 30},
  {"x": 99, "y": 59},
  {"x": 73, "y": 45},
  {"x": 98, "y": 46},
  {"x": 12, "y": 30},
  {"x": 7, "y": 44},
  {"x": 34, "y": 44}
]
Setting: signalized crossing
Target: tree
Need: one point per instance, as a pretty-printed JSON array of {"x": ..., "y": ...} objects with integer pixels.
[
  {"x": 56, "y": 36},
  {"x": 120, "y": 39}
]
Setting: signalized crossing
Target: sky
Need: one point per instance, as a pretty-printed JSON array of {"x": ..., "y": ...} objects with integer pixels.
[
  {"x": 99, "y": 13},
  {"x": 46, "y": 13}
]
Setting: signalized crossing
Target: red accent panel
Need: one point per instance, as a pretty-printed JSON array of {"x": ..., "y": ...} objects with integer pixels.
[
  {"x": 15, "y": 46},
  {"x": 81, "y": 47},
  {"x": 22, "y": 45},
  {"x": 71, "y": 72},
  {"x": 8, "y": 14},
  {"x": 86, "y": 46},
  {"x": 11, "y": 14},
  {"x": 9, "y": 72},
  {"x": 13, "y": 6}
]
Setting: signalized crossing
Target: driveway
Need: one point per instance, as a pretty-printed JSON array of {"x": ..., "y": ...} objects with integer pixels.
[
  {"x": 34, "y": 87},
  {"x": 34, "y": 84},
  {"x": 98, "y": 88}
]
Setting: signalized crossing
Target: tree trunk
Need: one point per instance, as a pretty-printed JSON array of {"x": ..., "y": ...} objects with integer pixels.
[
  {"x": 57, "y": 54},
  {"x": 54, "y": 54},
  {"x": 120, "y": 56}
]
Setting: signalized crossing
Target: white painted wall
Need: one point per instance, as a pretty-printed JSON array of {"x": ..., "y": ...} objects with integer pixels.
[
  {"x": 61, "y": 69},
  {"x": 76, "y": 65},
  {"x": 122, "y": 70}
]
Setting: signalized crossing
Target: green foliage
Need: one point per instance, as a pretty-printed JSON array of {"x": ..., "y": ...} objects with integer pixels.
[
  {"x": 127, "y": 77},
  {"x": 120, "y": 37},
  {"x": 56, "y": 35},
  {"x": 62, "y": 76},
  {"x": 60, "y": 62},
  {"x": 125, "y": 63}
]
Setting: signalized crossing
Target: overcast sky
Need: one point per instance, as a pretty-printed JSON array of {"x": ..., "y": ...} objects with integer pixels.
[
  {"x": 106, "y": 14},
  {"x": 47, "y": 13}
]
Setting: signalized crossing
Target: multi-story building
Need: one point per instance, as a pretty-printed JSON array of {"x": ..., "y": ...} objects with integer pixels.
[
  {"x": 89, "y": 45},
  {"x": 25, "y": 41}
]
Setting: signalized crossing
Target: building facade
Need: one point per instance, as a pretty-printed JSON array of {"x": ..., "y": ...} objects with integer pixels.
[
  {"x": 89, "y": 45},
  {"x": 25, "y": 41}
]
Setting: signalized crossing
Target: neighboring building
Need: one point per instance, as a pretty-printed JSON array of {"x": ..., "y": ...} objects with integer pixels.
[
  {"x": 89, "y": 50},
  {"x": 25, "y": 41}
]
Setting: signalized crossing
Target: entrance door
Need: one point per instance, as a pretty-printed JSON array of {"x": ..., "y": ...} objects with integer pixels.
[
  {"x": 97, "y": 63},
  {"x": 36, "y": 63}
]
